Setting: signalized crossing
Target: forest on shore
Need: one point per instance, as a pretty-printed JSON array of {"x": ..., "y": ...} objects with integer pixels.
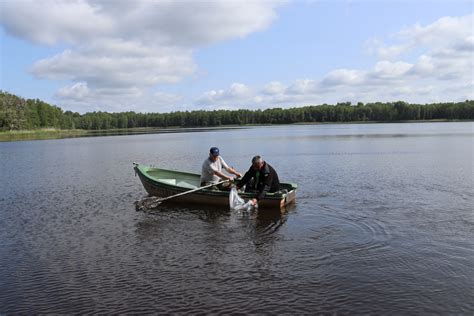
[{"x": 18, "y": 114}]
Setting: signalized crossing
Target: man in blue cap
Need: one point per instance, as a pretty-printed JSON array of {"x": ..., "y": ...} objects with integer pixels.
[{"x": 212, "y": 168}]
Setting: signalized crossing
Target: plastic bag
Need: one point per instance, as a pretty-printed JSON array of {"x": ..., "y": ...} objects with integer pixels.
[{"x": 237, "y": 203}]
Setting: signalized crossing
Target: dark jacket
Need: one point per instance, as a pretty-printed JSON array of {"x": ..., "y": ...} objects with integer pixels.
[{"x": 266, "y": 181}]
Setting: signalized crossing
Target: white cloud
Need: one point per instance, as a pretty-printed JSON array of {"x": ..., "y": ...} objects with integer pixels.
[
  {"x": 141, "y": 43},
  {"x": 424, "y": 66},
  {"x": 446, "y": 31},
  {"x": 77, "y": 92},
  {"x": 443, "y": 71},
  {"x": 190, "y": 23},
  {"x": 343, "y": 77},
  {"x": 376, "y": 47},
  {"x": 50, "y": 22},
  {"x": 385, "y": 71},
  {"x": 239, "y": 90},
  {"x": 237, "y": 93},
  {"x": 101, "y": 69},
  {"x": 303, "y": 86},
  {"x": 465, "y": 45},
  {"x": 169, "y": 23},
  {"x": 274, "y": 88},
  {"x": 456, "y": 32},
  {"x": 80, "y": 96}
]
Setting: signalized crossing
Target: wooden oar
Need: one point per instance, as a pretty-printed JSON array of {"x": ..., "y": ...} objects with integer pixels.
[{"x": 154, "y": 201}]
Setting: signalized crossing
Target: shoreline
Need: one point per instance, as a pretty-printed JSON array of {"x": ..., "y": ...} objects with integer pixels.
[{"x": 51, "y": 133}]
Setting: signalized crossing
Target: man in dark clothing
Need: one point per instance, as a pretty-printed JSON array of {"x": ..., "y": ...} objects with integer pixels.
[{"x": 260, "y": 178}]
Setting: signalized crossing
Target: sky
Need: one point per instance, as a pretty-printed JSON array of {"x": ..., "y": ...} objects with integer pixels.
[{"x": 183, "y": 55}]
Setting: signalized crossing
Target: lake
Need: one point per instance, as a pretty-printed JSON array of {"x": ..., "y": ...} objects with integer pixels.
[{"x": 383, "y": 224}]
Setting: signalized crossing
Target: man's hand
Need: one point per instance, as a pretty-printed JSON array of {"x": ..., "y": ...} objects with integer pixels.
[{"x": 254, "y": 202}]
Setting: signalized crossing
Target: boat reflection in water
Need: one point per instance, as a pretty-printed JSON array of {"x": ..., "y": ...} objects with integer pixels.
[{"x": 202, "y": 220}]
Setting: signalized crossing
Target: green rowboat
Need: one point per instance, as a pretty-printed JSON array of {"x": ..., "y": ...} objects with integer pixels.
[{"x": 164, "y": 183}]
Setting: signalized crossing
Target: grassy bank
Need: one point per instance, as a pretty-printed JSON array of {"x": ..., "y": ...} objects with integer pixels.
[
  {"x": 47, "y": 133},
  {"x": 51, "y": 133}
]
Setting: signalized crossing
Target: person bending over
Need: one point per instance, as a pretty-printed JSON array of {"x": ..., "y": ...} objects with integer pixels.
[{"x": 260, "y": 178}]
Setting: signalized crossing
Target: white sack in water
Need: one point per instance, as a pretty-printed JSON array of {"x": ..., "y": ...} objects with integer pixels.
[{"x": 237, "y": 203}]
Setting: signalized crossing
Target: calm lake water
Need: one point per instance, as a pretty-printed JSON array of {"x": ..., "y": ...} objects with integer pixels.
[{"x": 383, "y": 224}]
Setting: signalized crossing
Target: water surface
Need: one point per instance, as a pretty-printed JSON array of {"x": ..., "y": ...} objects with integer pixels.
[{"x": 383, "y": 223}]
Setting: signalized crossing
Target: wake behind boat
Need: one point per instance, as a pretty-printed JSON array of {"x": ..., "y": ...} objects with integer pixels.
[{"x": 165, "y": 183}]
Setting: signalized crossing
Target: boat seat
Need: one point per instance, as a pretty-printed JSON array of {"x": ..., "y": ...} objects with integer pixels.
[
  {"x": 168, "y": 181},
  {"x": 185, "y": 184}
]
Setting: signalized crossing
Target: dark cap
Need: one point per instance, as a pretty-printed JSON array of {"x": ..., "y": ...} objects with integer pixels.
[{"x": 214, "y": 151}]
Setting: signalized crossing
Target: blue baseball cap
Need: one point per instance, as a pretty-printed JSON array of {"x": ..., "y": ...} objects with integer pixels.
[{"x": 214, "y": 151}]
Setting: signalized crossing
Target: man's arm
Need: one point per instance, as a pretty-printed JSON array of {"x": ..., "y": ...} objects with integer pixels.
[
  {"x": 247, "y": 176},
  {"x": 227, "y": 168},
  {"x": 234, "y": 172},
  {"x": 222, "y": 176},
  {"x": 214, "y": 170}
]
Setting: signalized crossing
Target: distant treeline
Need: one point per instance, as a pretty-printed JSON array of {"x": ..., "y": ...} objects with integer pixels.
[{"x": 19, "y": 114}]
